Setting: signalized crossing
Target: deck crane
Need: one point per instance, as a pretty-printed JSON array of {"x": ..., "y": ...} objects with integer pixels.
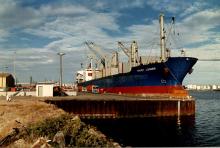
[
  {"x": 111, "y": 58},
  {"x": 106, "y": 59},
  {"x": 92, "y": 58},
  {"x": 126, "y": 51},
  {"x": 132, "y": 53},
  {"x": 97, "y": 52}
]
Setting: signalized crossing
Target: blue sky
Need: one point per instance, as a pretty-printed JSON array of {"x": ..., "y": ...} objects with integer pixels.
[{"x": 37, "y": 29}]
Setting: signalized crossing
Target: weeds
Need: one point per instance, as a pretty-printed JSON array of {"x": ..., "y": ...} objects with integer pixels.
[
  {"x": 77, "y": 133},
  {"x": 36, "y": 119}
]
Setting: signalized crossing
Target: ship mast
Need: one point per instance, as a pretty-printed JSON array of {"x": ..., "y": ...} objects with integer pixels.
[{"x": 162, "y": 38}]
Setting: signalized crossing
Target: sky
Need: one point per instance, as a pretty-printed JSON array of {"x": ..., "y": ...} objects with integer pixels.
[{"x": 33, "y": 32}]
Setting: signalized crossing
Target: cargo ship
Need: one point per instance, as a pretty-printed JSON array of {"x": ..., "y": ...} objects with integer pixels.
[{"x": 161, "y": 76}]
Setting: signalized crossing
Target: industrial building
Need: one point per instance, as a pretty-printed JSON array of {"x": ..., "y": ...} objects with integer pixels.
[{"x": 7, "y": 81}]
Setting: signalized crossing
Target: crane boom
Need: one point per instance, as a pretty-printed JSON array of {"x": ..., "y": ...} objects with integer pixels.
[
  {"x": 124, "y": 49},
  {"x": 94, "y": 49},
  {"x": 132, "y": 53}
]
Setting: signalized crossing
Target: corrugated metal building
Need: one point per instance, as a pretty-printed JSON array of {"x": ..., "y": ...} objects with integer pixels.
[{"x": 6, "y": 81}]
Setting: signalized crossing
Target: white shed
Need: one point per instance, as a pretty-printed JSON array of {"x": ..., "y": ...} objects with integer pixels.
[{"x": 44, "y": 89}]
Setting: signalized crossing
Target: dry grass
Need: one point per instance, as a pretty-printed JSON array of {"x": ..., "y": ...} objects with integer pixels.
[
  {"x": 26, "y": 110},
  {"x": 45, "y": 120}
]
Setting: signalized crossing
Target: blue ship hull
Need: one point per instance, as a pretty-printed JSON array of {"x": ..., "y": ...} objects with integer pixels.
[{"x": 164, "y": 77}]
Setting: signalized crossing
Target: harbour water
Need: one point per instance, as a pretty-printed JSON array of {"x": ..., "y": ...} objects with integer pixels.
[{"x": 203, "y": 129}]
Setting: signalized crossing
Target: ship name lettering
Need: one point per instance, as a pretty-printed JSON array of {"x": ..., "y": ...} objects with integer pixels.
[
  {"x": 140, "y": 70},
  {"x": 150, "y": 69}
]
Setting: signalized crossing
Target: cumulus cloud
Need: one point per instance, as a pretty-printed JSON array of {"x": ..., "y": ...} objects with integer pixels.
[
  {"x": 73, "y": 31},
  {"x": 193, "y": 8},
  {"x": 203, "y": 20},
  {"x": 206, "y": 52},
  {"x": 113, "y": 5},
  {"x": 13, "y": 15},
  {"x": 4, "y": 34},
  {"x": 63, "y": 10},
  {"x": 169, "y": 6},
  {"x": 198, "y": 28}
]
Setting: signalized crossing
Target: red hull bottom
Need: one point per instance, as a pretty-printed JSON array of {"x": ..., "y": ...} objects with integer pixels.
[{"x": 143, "y": 90}]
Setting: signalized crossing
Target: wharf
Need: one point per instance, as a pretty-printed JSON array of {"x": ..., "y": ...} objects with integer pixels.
[{"x": 119, "y": 106}]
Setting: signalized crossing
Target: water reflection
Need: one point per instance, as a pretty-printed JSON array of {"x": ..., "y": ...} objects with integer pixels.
[
  {"x": 178, "y": 126},
  {"x": 169, "y": 131}
]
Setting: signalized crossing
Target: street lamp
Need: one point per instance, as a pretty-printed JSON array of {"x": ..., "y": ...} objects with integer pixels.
[
  {"x": 61, "y": 54},
  {"x": 14, "y": 68}
]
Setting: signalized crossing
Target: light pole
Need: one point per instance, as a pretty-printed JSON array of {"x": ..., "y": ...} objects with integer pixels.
[
  {"x": 14, "y": 68},
  {"x": 61, "y": 54}
]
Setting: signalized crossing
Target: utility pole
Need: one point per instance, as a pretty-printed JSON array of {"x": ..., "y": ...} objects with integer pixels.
[
  {"x": 14, "y": 68},
  {"x": 61, "y": 54}
]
